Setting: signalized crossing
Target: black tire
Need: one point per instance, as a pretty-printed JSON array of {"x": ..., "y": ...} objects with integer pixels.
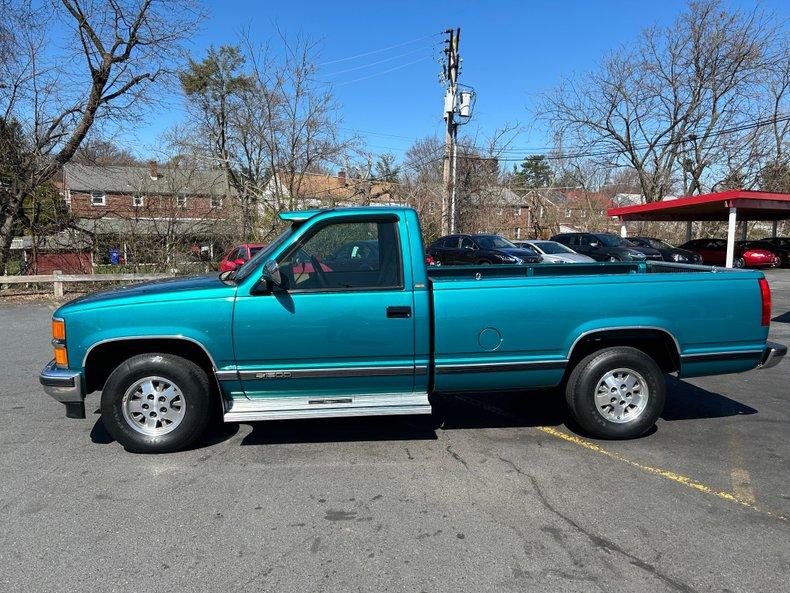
[
  {"x": 483, "y": 262},
  {"x": 613, "y": 258},
  {"x": 582, "y": 386},
  {"x": 190, "y": 379}
]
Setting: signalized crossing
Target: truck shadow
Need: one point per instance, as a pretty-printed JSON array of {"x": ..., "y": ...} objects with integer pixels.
[
  {"x": 487, "y": 410},
  {"x": 783, "y": 318},
  {"x": 689, "y": 402}
]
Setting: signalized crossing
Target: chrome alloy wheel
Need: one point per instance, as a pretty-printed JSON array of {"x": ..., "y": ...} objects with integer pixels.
[
  {"x": 621, "y": 396},
  {"x": 153, "y": 406}
]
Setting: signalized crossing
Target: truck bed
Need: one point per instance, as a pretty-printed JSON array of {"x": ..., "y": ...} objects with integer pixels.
[
  {"x": 442, "y": 273},
  {"x": 523, "y": 321}
]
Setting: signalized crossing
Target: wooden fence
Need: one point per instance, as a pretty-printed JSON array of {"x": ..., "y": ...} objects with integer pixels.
[{"x": 58, "y": 279}]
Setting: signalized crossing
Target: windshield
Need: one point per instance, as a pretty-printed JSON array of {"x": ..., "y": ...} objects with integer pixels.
[
  {"x": 262, "y": 255},
  {"x": 493, "y": 242},
  {"x": 612, "y": 240},
  {"x": 254, "y": 250},
  {"x": 657, "y": 244},
  {"x": 552, "y": 247}
]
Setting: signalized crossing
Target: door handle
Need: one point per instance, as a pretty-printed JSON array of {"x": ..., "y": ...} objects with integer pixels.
[{"x": 398, "y": 312}]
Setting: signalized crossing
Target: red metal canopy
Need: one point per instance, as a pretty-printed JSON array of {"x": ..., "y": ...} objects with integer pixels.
[{"x": 751, "y": 205}]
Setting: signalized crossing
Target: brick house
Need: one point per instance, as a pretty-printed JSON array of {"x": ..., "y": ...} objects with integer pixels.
[
  {"x": 149, "y": 212},
  {"x": 324, "y": 190}
]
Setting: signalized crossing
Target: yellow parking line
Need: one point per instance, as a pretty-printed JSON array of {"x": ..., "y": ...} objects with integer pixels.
[
  {"x": 739, "y": 476},
  {"x": 678, "y": 478}
]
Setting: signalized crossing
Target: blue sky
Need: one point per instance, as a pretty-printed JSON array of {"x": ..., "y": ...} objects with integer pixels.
[{"x": 511, "y": 52}]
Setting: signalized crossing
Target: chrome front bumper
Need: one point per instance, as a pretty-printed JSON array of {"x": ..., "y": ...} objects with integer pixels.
[
  {"x": 772, "y": 355},
  {"x": 64, "y": 386}
]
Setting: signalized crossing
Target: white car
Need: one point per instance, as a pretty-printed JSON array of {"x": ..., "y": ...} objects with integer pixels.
[{"x": 555, "y": 253}]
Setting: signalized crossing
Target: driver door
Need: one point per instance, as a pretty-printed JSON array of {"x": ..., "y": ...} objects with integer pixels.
[{"x": 332, "y": 330}]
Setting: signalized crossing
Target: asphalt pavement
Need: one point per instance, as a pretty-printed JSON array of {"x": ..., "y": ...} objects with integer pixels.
[{"x": 493, "y": 493}]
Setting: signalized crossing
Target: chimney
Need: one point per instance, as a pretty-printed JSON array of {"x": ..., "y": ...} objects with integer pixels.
[
  {"x": 153, "y": 170},
  {"x": 341, "y": 177}
]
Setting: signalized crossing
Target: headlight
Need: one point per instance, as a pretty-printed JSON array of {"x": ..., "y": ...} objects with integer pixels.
[
  {"x": 679, "y": 257},
  {"x": 636, "y": 254}
]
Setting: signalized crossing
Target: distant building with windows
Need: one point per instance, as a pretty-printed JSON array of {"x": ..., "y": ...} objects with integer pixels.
[{"x": 129, "y": 209}]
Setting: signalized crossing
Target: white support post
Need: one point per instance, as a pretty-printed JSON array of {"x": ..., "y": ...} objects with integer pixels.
[
  {"x": 774, "y": 228},
  {"x": 57, "y": 285},
  {"x": 733, "y": 221},
  {"x": 688, "y": 231},
  {"x": 623, "y": 229}
]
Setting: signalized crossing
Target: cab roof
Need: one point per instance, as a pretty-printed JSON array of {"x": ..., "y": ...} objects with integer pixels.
[{"x": 300, "y": 216}]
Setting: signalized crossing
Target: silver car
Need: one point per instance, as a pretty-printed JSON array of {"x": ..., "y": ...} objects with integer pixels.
[{"x": 555, "y": 253}]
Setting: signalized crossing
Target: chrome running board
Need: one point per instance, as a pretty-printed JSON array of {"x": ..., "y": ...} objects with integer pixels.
[{"x": 283, "y": 408}]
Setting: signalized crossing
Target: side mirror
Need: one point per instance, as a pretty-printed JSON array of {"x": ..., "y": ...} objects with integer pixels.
[
  {"x": 271, "y": 273},
  {"x": 239, "y": 262},
  {"x": 595, "y": 244}
]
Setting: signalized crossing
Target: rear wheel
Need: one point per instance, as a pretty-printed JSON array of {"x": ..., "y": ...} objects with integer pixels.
[
  {"x": 156, "y": 403},
  {"x": 616, "y": 393}
]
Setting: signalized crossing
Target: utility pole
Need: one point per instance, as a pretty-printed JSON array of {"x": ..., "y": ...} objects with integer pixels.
[{"x": 451, "y": 130}]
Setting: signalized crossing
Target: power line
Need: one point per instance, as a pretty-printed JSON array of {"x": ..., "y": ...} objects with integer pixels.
[
  {"x": 378, "y": 51},
  {"x": 375, "y": 63},
  {"x": 381, "y": 73},
  {"x": 689, "y": 138}
]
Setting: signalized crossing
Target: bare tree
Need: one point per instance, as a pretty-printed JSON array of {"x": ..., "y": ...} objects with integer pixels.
[
  {"x": 113, "y": 54},
  {"x": 262, "y": 116},
  {"x": 668, "y": 104}
]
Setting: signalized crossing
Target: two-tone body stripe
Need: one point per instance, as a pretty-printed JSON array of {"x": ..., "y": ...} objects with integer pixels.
[
  {"x": 389, "y": 371},
  {"x": 720, "y": 356},
  {"x": 494, "y": 367}
]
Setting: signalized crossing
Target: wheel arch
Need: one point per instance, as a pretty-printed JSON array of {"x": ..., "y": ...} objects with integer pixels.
[
  {"x": 658, "y": 343},
  {"x": 103, "y": 357}
]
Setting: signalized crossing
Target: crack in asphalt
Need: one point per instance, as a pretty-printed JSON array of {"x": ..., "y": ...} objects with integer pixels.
[{"x": 598, "y": 541}]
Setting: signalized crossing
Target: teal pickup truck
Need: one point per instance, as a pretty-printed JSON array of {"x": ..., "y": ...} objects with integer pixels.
[{"x": 339, "y": 316}]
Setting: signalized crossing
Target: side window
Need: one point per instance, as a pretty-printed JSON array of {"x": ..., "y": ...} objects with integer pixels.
[
  {"x": 450, "y": 242},
  {"x": 467, "y": 243},
  {"x": 583, "y": 239},
  {"x": 346, "y": 255}
]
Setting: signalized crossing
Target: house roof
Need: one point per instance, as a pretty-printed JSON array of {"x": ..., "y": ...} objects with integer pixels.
[
  {"x": 150, "y": 226},
  {"x": 66, "y": 240},
  {"x": 125, "y": 179},
  {"x": 322, "y": 186},
  {"x": 579, "y": 198}
]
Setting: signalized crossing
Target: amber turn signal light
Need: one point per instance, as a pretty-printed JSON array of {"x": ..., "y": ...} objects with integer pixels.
[
  {"x": 58, "y": 329},
  {"x": 61, "y": 357}
]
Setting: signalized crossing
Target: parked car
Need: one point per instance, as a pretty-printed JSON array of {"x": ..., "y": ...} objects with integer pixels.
[
  {"x": 714, "y": 253},
  {"x": 480, "y": 249},
  {"x": 238, "y": 256},
  {"x": 258, "y": 344},
  {"x": 553, "y": 252},
  {"x": 667, "y": 251},
  {"x": 782, "y": 242},
  {"x": 775, "y": 247},
  {"x": 606, "y": 247}
]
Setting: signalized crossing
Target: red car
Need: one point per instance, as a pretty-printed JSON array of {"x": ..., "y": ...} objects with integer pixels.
[
  {"x": 714, "y": 252},
  {"x": 239, "y": 255}
]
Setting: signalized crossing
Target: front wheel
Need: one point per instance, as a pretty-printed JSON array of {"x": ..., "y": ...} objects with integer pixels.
[
  {"x": 156, "y": 403},
  {"x": 613, "y": 258},
  {"x": 616, "y": 393}
]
